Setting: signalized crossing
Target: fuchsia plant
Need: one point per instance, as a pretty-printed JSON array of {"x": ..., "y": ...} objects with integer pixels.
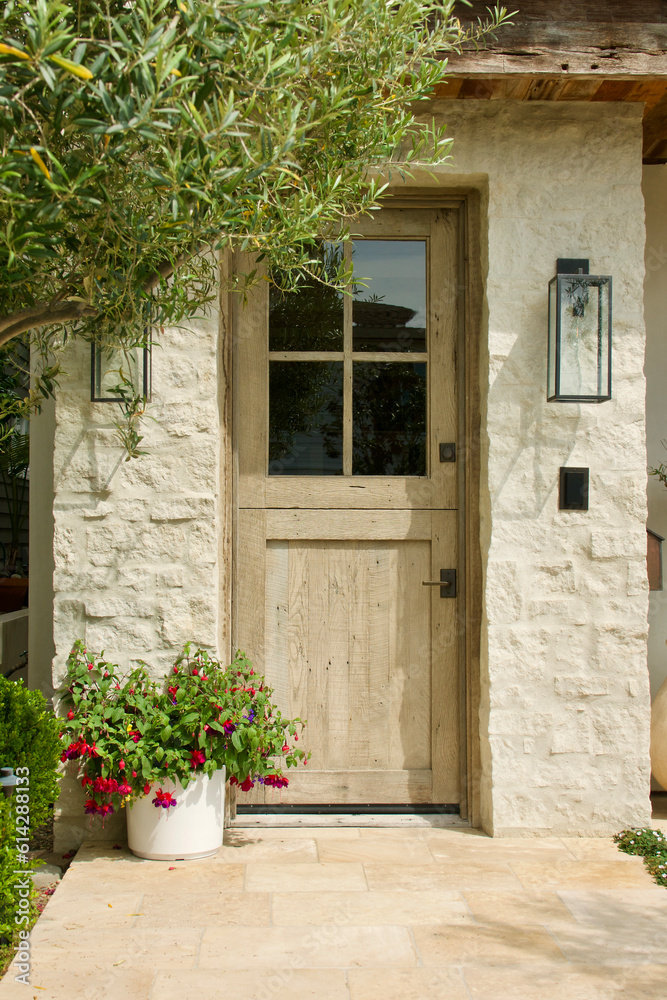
[{"x": 128, "y": 733}]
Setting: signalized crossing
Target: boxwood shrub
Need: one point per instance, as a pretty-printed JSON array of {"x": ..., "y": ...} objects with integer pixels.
[{"x": 29, "y": 737}]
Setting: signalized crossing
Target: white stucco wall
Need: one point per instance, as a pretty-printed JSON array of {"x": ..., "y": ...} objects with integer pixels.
[
  {"x": 136, "y": 543},
  {"x": 565, "y": 706},
  {"x": 655, "y": 291},
  {"x": 565, "y": 703}
]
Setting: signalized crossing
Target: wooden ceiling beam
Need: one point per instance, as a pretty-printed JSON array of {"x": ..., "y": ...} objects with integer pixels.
[{"x": 543, "y": 61}]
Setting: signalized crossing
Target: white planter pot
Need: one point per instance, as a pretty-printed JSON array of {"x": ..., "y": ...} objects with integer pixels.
[{"x": 191, "y": 829}]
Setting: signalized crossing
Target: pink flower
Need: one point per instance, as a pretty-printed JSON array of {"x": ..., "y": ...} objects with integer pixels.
[
  {"x": 106, "y": 785},
  {"x": 197, "y": 757},
  {"x": 276, "y": 781},
  {"x": 75, "y": 750},
  {"x": 286, "y": 748},
  {"x": 121, "y": 765},
  {"x": 247, "y": 784},
  {"x": 147, "y": 788},
  {"x": 125, "y": 789},
  {"x": 134, "y": 774},
  {"x": 91, "y": 666},
  {"x": 70, "y": 714},
  {"x": 163, "y": 799}
]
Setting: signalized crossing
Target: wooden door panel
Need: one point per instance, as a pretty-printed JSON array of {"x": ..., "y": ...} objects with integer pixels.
[
  {"x": 347, "y": 645},
  {"x": 330, "y": 602}
]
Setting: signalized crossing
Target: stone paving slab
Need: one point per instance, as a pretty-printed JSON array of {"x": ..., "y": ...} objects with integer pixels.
[{"x": 354, "y": 914}]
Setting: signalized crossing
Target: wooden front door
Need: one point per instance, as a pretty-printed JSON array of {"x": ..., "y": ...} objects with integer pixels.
[{"x": 345, "y": 408}]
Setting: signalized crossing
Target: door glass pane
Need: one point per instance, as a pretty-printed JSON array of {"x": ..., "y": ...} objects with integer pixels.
[
  {"x": 310, "y": 319},
  {"x": 389, "y": 419},
  {"x": 305, "y": 418},
  {"x": 389, "y": 310}
]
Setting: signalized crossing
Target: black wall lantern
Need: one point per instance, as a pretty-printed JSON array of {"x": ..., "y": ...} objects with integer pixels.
[
  {"x": 110, "y": 369},
  {"x": 579, "y": 349}
]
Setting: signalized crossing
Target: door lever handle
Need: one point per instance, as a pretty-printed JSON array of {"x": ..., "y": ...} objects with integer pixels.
[{"x": 447, "y": 583}]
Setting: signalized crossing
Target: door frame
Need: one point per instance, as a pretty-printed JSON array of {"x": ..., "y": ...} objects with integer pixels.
[{"x": 468, "y": 203}]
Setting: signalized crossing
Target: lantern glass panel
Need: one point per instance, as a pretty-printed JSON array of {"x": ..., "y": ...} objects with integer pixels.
[
  {"x": 115, "y": 367},
  {"x": 552, "y": 361},
  {"x": 583, "y": 340}
]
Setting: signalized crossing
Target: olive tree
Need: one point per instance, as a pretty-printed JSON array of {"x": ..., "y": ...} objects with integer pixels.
[{"x": 138, "y": 140}]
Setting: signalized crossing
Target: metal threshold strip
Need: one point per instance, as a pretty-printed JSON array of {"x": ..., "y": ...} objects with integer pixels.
[
  {"x": 364, "y": 815},
  {"x": 347, "y": 809}
]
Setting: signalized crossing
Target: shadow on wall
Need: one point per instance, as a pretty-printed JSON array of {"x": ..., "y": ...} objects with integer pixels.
[{"x": 536, "y": 437}]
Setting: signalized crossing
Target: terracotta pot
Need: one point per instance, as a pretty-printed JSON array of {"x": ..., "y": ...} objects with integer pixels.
[
  {"x": 12, "y": 593},
  {"x": 659, "y": 736},
  {"x": 191, "y": 829}
]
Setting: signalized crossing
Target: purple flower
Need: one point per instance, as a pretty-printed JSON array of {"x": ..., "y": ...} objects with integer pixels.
[{"x": 163, "y": 799}]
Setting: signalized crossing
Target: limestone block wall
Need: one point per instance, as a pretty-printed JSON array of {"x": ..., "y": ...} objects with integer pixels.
[
  {"x": 136, "y": 543},
  {"x": 565, "y": 696},
  {"x": 655, "y": 292}
]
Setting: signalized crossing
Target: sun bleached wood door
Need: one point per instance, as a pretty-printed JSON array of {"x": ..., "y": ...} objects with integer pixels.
[{"x": 347, "y": 513}]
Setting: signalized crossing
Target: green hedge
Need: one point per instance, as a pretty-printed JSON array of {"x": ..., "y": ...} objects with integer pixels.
[
  {"x": 9, "y": 863},
  {"x": 29, "y": 737}
]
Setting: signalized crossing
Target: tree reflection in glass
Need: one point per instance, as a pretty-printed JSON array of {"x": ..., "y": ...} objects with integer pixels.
[
  {"x": 305, "y": 418},
  {"x": 389, "y": 419},
  {"x": 310, "y": 319},
  {"x": 389, "y": 310}
]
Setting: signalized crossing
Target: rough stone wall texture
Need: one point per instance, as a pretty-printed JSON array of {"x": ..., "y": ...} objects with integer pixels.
[
  {"x": 565, "y": 704},
  {"x": 655, "y": 301},
  {"x": 136, "y": 543}
]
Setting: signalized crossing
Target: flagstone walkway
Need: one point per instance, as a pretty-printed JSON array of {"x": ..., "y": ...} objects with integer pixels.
[{"x": 355, "y": 914}]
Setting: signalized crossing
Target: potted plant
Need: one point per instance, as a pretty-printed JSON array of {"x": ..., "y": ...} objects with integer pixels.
[{"x": 162, "y": 751}]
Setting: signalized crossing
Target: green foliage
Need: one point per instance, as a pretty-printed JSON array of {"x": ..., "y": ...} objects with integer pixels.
[
  {"x": 660, "y": 472},
  {"x": 657, "y": 867},
  {"x": 16, "y": 918},
  {"x": 139, "y": 140},
  {"x": 9, "y": 863},
  {"x": 133, "y": 408},
  {"x": 127, "y": 732},
  {"x": 651, "y": 844},
  {"x": 30, "y": 737}
]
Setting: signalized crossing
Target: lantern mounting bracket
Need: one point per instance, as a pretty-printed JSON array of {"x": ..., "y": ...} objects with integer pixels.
[{"x": 572, "y": 265}]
